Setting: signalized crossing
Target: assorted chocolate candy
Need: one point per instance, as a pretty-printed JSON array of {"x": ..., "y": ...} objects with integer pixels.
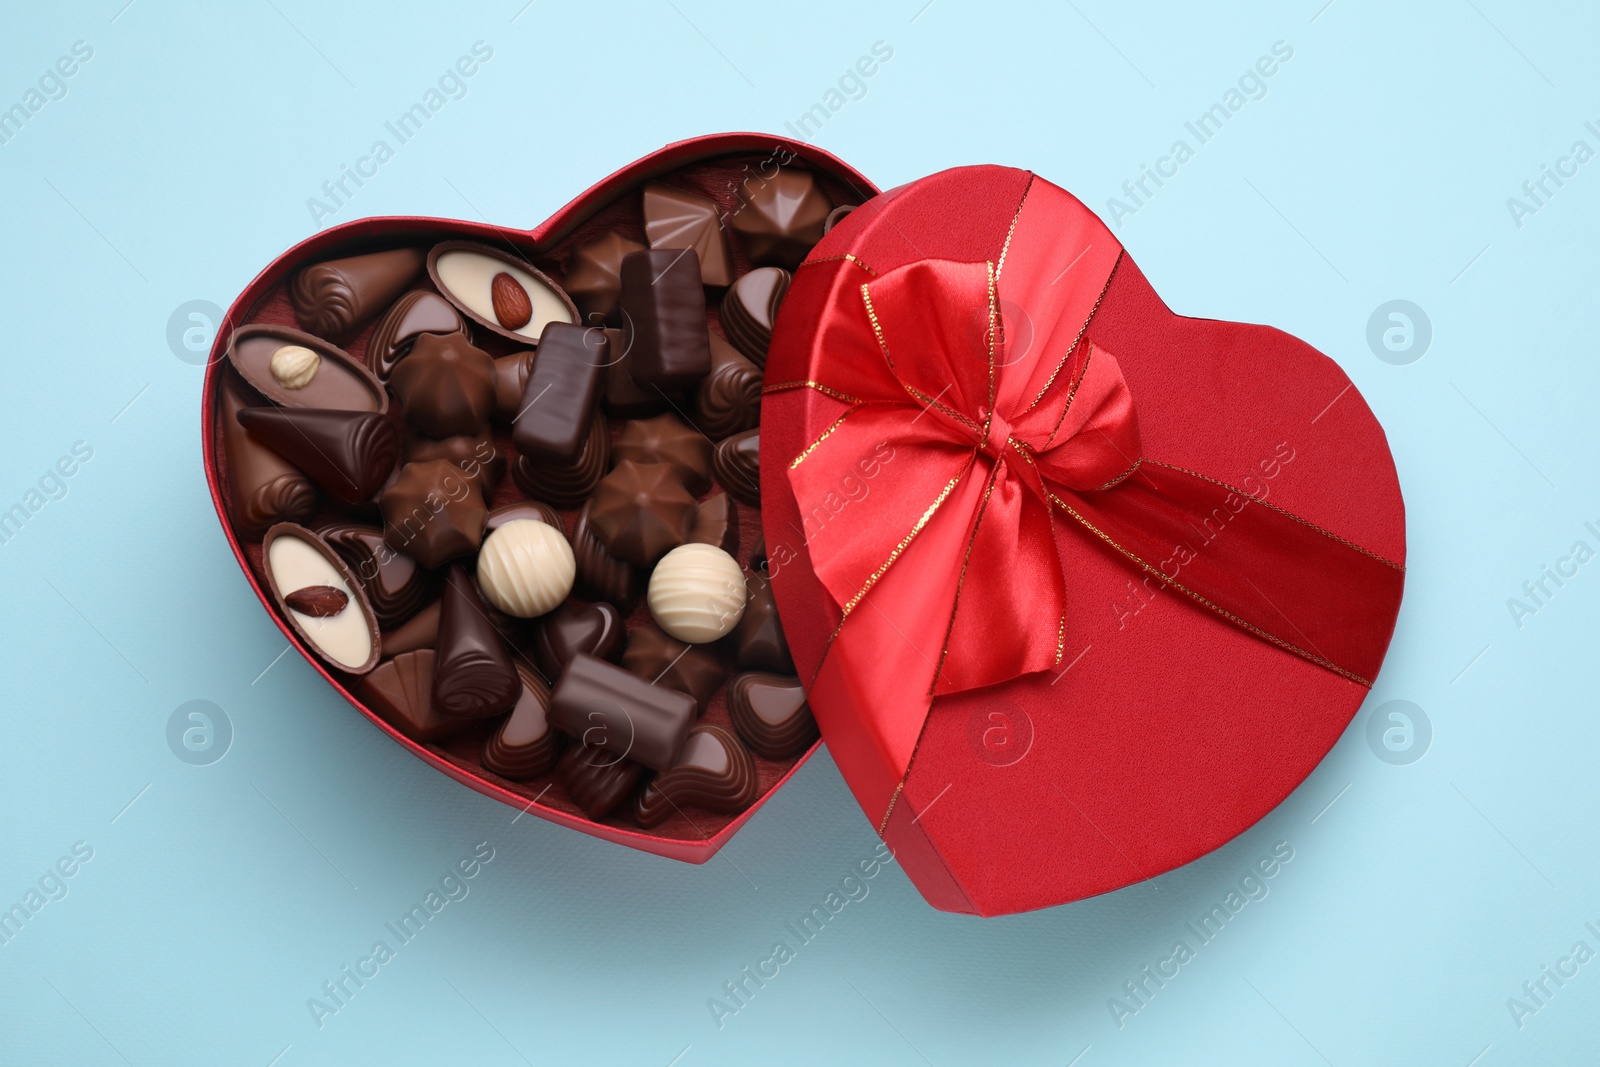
[{"x": 508, "y": 502}]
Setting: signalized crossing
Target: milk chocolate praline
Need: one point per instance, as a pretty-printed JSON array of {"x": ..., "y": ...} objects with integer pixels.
[
  {"x": 445, "y": 386},
  {"x": 641, "y": 511},
  {"x": 432, "y": 512}
]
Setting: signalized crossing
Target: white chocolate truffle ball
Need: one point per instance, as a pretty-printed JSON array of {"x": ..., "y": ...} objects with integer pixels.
[
  {"x": 697, "y": 593},
  {"x": 294, "y": 366},
  {"x": 526, "y": 568}
]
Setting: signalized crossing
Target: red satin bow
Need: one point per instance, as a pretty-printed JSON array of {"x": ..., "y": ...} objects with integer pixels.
[{"x": 1004, "y": 423}]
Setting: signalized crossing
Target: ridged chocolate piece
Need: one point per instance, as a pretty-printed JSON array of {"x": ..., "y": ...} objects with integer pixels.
[
  {"x": 729, "y": 399},
  {"x": 395, "y": 586},
  {"x": 737, "y": 466},
  {"x": 418, "y": 312},
  {"x": 474, "y": 455},
  {"x": 757, "y": 639},
  {"x": 780, "y": 218},
  {"x": 559, "y": 399},
  {"x": 349, "y": 454},
  {"x": 432, "y": 512},
  {"x": 664, "y": 313},
  {"x": 750, "y": 308},
  {"x": 526, "y": 746},
  {"x": 263, "y": 487},
  {"x": 419, "y": 631},
  {"x": 674, "y": 218},
  {"x": 335, "y": 299},
  {"x": 523, "y": 509},
  {"x": 400, "y": 692},
  {"x": 625, "y": 398},
  {"x": 770, "y": 713},
  {"x": 592, "y": 629},
  {"x": 641, "y": 511},
  {"x": 596, "y": 780},
  {"x": 714, "y": 772},
  {"x": 567, "y": 485},
  {"x": 445, "y": 386},
  {"x": 663, "y": 660},
  {"x": 510, "y": 379},
  {"x": 594, "y": 277},
  {"x": 604, "y": 706},
  {"x": 602, "y": 576},
  {"x": 716, "y": 522},
  {"x": 667, "y": 439},
  {"x": 473, "y": 677}
]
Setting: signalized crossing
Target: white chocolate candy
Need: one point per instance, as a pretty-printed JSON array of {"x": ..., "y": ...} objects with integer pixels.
[
  {"x": 526, "y": 568},
  {"x": 468, "y": 275},
  {"x": 346, "y": 638},
  {"x": 697, "y": 593},
  {"x": 294, "y": 366}
]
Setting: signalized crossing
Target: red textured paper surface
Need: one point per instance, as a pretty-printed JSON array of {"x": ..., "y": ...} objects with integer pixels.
[{"x": 1173, "y": 731}]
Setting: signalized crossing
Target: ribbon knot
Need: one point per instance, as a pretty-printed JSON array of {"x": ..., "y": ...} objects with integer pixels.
[{"x": 996, "y": 441}]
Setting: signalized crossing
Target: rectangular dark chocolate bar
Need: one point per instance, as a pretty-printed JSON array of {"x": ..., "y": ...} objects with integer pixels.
[
  {"x": 559, "y": 399},
  {"x": 664, "y": 312},
  {"x": 604, "y": 706}
]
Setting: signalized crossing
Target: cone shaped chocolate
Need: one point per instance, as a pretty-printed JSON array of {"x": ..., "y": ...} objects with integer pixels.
[
  {"x": 350, "y": 454},
  {"x": 473, "y": 677},
  {"x": 335, "y": 299}
]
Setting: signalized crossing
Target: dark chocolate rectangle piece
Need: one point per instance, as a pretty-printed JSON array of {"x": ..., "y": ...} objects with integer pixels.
[
  {"x": 604, "y": 706},
  {"x": 664, "y": 311},
  {"x": 559, "y": 400}
]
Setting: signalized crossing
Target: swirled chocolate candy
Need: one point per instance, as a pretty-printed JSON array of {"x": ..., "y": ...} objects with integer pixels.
[
  {"x": 714, "y": 772},
  {"x": 416, "y": 313},
  {"x": 737, "y": 466},
  {"x": 674, "y": 218},
  {"x": 625, "y": 398},
  {"x": 640, "y": 511},
  {"x": 400, "y": 692},
  {"x": 606, "y": 707},
  {"x": 473, "y": 677},
  {"x": 445, "y": 386},
  {"x": 667, "y": 439},
  {"x": 336, "y": 298},
  {"x": 573, "y": 628},
  {"x": 602, "y": 576},
  {"x": 594, "y": 277},
  {"x": 729, "y": 399},
  {"x": 716, "y": 522},
  {"x": 750, "y": 308},
  {"x": 664, "y": 311},
  {"x": 350, "y": 454},
  {"x": 758, "y": 640},
  {"x": 663, "y": 660},
  {"x": 525, "y": 746},
  {"x": 770, "y": 713},
  {"x": 263, "y": 488},
  {"x": 320, "y": 598},
  {"x": 523, "y": 509},
  {"x": 393, "y": 582},
  {"x": 780, "y": 218},
  {"x": 567, "y": 485},
  {"x": 559, "y": 400},
  {"x": 432, "y": 512},
  {"x": 597, "y": 781},
  {"x": 474, "y": 455},
  {"x": 510, "y": 380}
]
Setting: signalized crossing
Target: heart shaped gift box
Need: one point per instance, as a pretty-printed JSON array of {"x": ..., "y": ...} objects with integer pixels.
[
  {"x": 340, "y": 339},
  {"x": 1080, "y": 588}
]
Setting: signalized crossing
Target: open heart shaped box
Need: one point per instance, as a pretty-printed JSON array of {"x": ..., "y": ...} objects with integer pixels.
[
  {"x": 1171, "y": 733},
  {"x": 712, "y": 165}
]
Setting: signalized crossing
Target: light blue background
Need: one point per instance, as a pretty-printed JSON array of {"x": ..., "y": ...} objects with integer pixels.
[{"x": 219, "y": 898}]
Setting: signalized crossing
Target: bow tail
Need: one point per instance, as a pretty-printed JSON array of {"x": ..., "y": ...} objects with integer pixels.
[
  {"x": 1284, "y": 579},
  {"x": 1010, "y": 620}
]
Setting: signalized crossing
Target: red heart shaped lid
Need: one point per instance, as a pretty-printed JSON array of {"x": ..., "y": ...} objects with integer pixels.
[{"x": 1081, "y": 588}]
